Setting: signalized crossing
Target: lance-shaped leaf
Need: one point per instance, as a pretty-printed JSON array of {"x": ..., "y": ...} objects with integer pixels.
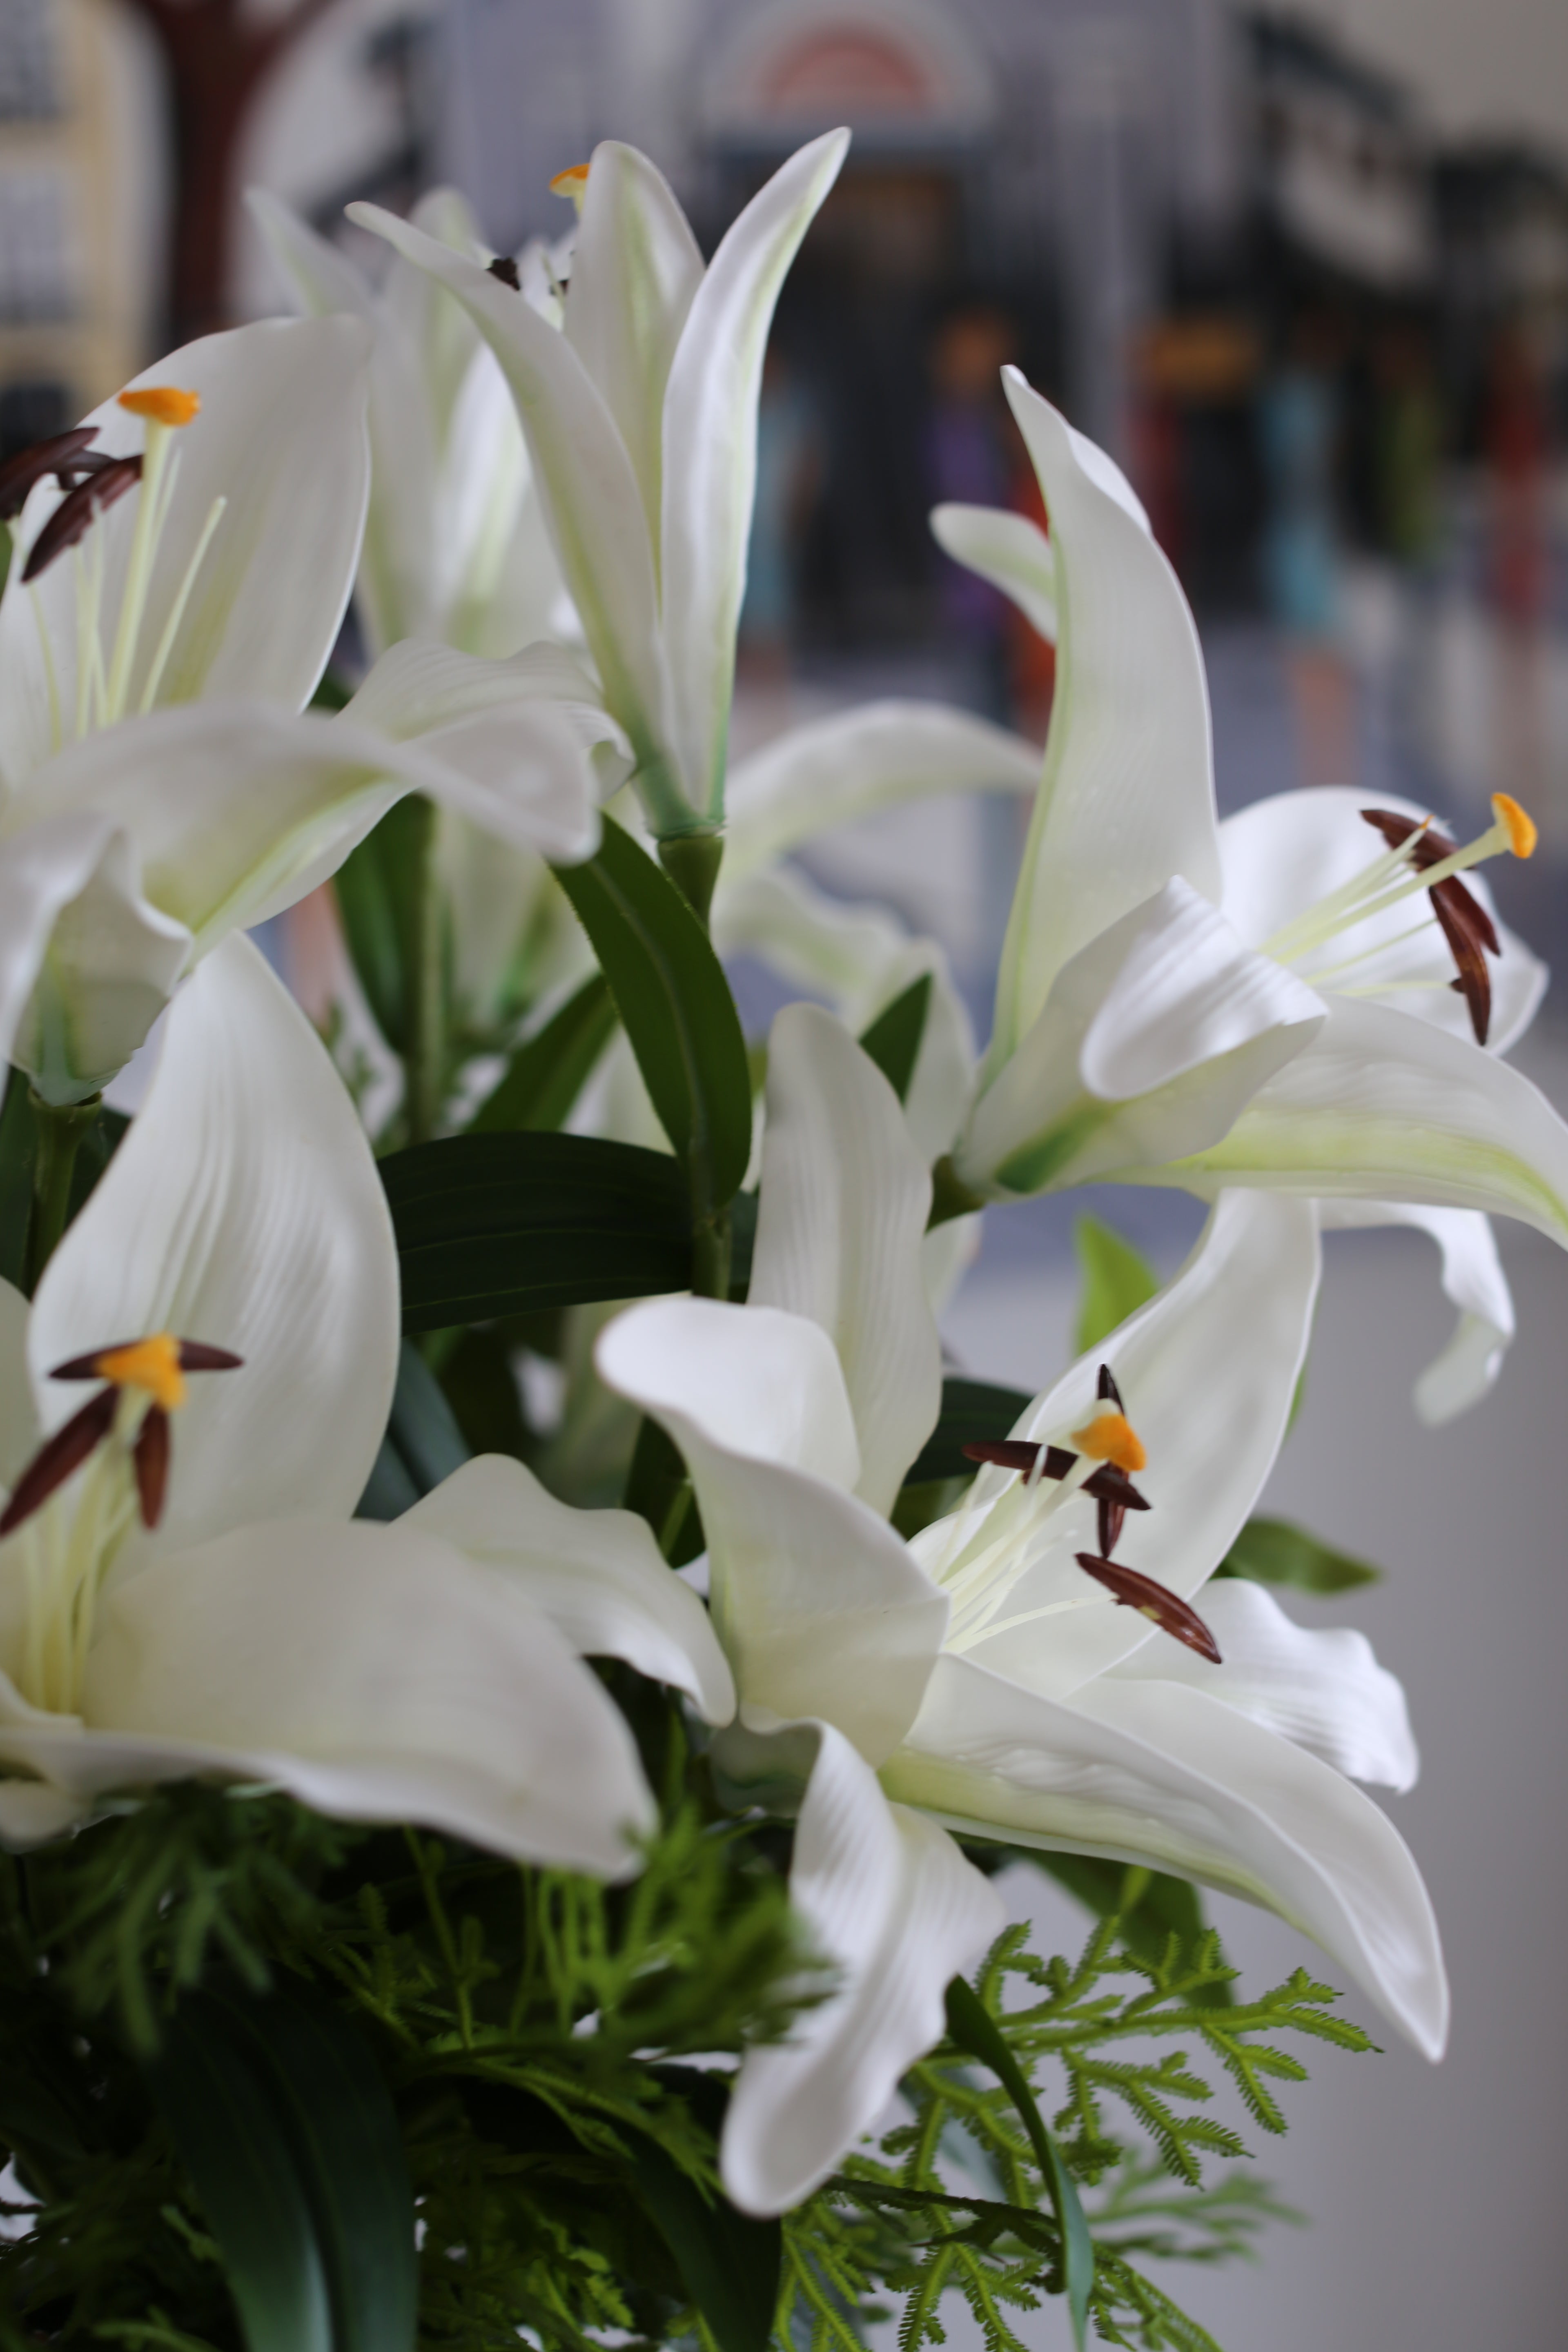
[
  {"x": 676, "y": 1008},
  {"x": 549, "y": 1070}
]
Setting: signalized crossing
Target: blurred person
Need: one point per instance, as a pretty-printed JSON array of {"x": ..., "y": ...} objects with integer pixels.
[
  {"x": 789, "y": 476},
  {"x": 1515, "y": 438},
  {"x": 1299, "y": 430},
  {"x": 968, "y": 461}
]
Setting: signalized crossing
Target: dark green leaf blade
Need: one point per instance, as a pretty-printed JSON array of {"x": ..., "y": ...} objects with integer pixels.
[
  {"x": 1117, "y": 1280},
  {"x": 233, "y": 2144},
  {"x": 971, "y": 1411},
  {"x": 729, "y": 2260},
  {"x": 974, "y": 2027},
  {"x": 18, "y": 1149},
  {"x": 547, "y": 1073},
  {"x": 1276, "y": 1551},
  {"x": 374, "y": 887},
  {"x": 423, "y": 1444},
  {"x": 676, "y": 1008},
  {"x": 499, "y": 1225},
  {"x": 893, "y": 1039},
  {"x": 347, "y": 2146}
]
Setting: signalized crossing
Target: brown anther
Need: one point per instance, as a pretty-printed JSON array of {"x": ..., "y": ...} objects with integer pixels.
[
  {"x": 57, "y": 1456},
  {"x": 20, "y": 473},
  {"x": 1107, "y": 1483},
  {"x": 1130, "y": 1590},
  {"x": 1464, "y": 921},
  {"x": 1106, "y": 1390},
  {"x": 195, "y": 1355},
  {"x": 1111, "y": 1518},
  {"x": 79, "y": 509},
  {"x": 150, "y": 1455},
  {"x": 504, "y": 268}
]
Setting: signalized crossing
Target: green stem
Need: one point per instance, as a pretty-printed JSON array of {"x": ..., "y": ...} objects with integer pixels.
[
  {"x": 692, "y": 860},
  {"x": 425, "y": 1065},
  {"x": 61, "y": 1127},
  {"x": 710, "y": 1258}
]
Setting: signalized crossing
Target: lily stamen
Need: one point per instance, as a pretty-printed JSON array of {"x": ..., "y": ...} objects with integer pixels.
[
  {"x": 1130, "y": 1590},
  {"x": 131, "y": 1369}
]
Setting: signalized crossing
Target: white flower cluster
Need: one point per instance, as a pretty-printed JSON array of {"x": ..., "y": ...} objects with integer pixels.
[{"x": 535, "y": 478}]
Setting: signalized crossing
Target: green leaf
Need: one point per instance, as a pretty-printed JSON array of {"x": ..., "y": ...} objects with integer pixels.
[
  {"x": 376, "y": 887},
  {"x": 347, "y": 2147},
  {"x": 1276, "y": 1551},
  {"x": 893, "y": 1039},
  {"x": 423, "y": 1444},
  {"x": 233, "y": 2144},
  {"x": 1149, "y": 1907},
  {"x": 974, "y": 2027},
  {"x": 18, "y": 1148},
  {"x": 1117, "y": 1280},
  {"x": 546, "y": 1075},
  {"x": 499, "y": 1225},
  {"x": 676, "y": 1008},
  {"x": 971, "y": 1412},
  {"x": 729, "y": 2262}
]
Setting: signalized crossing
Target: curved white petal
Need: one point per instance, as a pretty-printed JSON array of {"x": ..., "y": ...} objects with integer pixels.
[
  {"x": 243, "y": 1209},
  {"x": 1279, "y": 858},
  {"x": 1158, "y": 1774},
  {"x": 1208, "y": 1370},
  {"x": 86, "y": 964},
  {"x": 887, "y": 1900},
  {"x": 1322, "y": 1689},
  {"x": 861, "y": 959},
  {"x": 635, "y": 271},
  {"x": 1127, "y": 798},
  {"x": 1379, "y": 1107},
  {"x": 845, "y": 1199},
  {"x": 281, "y": 436},
  {"x": 1009, "y": 549},
  {"x": 395, "y": 584},
  {"x": 375, "y": 1674},
  {"x": 584, "y": 477},
  {"x": 710, "y": 454},
  {"x": 819, "y": 1606},
  {"x": 1154, "y": 1038},
  {"x": 834, "y": 770},
  {"x": 598, "y": 1576},
  {"x": 1473, "y": 1279}
]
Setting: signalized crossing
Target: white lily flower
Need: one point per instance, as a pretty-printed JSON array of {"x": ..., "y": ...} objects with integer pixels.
[
  {"x": 640, "y": 416},
  {"x": 160, "y": 782},
  {"x": 978, "y": 1678},
  {"x": 183, "y": 1590},
  {"x": 1185, "y": 1002},
  {"x": 454, "y": 544}
]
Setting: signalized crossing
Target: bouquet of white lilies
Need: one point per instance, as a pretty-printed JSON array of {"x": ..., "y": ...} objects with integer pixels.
[{"x": 471, "y": 1872}]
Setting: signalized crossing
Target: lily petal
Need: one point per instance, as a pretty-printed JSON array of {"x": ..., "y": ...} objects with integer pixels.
[
  {"x": 1209, "y": 1371},
  {"x": 1127, "y": 798},
  {"x": 247, "y": 1154},
  {"x": 820, "y": 1608},
  {"x": 1324, "y": 1690},
  {"x": 1009, "y": 549},
  {"x": 710, "y": 454},
  {"x": 281, "y": 437},
  {"x": 834, "y": 770},
  {"x": 1281, "y": 855},
  {"x": 1380, "y": 1107},
  {"x": 585, "y": 479},
  {"x": 86, "y": 964},
  {"x": 887, "y": 1900},
  {"x": 1159, "y": 1774},
  {"x": 598, "y": 1576},
  {"x": 1473, "y": 1279},
  {"x": 1154, "y": 1035},
  {"x": 635, "y": 271},
  {"x": 844, "y": 1200},
  {"x": 371, "y": 1672}
]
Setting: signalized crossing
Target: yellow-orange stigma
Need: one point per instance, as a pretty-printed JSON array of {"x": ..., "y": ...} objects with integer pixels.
[
  {"x": 151, "y": 1364},
  {"x": 1520, "y": 827},
  {"x": 573, "y": 182},
  {"x": 1110, "y": 1437},
  {"x": 162, "y": 403}
]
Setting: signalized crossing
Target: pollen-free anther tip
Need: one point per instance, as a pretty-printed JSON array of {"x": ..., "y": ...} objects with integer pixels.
[{"x": 162, "y": 403}]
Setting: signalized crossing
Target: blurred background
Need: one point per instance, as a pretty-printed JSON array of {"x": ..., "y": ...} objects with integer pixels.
[{"x": 1306, "y": 276}]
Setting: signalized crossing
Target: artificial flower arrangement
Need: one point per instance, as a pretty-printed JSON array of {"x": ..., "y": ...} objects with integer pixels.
[{"x": 470, "y": 1872}]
